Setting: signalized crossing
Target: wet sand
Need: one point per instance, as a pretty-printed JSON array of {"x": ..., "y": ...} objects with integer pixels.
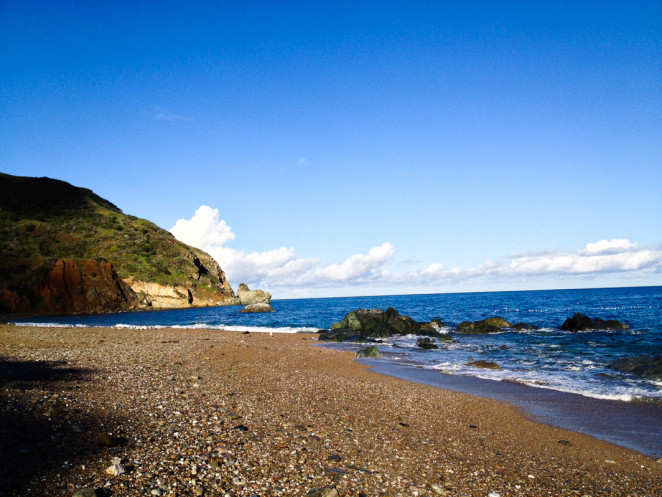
[
  {"x": 203, "y": 412},
  {"x": 635, "y": 425}
]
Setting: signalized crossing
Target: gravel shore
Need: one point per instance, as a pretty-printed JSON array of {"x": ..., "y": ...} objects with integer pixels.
[{"x": 206, "y": 412}]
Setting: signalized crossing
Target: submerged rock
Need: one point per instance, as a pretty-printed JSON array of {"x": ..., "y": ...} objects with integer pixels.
[
  {"x": 644, "y": 365},
  {"x": 484, "y": 364},
  {"x": 341, "y": 335},
  {"x": 581, "y": 322},
  {"x": 426, "y": 343},
  {"x": 524, "y": 327},
  {"x": 371, "y": 351},
  {"x": 261, "y": 307}
]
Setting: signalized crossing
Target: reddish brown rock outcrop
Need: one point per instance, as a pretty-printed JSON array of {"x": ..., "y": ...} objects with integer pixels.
[
  {"x": 13, "y": 302},
  {"x": 87, "y": 285}
]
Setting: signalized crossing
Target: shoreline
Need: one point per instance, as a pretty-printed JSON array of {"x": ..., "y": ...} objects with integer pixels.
[
  {"x": 226, "y": 413},
  {"x": 603, "y": 419}
]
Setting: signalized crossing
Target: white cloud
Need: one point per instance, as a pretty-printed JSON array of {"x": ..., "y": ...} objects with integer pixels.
[
  {"x": 281, "y": 267},
  {"x": 604, "y": 256},
  {"x": 278, "y": 267},
  {"x": 204, "y": 229},
  {"x": 614, "y": 245}
]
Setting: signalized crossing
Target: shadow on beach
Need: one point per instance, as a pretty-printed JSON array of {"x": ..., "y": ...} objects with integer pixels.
[{"x": 42, "y": 432}]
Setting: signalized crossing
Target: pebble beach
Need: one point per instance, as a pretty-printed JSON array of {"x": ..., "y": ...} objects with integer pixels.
[{"x": 171, "y": 412}]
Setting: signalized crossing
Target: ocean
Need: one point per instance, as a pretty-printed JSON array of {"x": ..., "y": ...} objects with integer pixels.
[{"x": 546, "y": 358}]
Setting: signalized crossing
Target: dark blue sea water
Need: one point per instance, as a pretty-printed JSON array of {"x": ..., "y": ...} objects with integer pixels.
[{"x": 546, "y": 358}]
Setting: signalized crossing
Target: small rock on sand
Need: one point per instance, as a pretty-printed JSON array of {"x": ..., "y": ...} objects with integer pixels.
[
  {"x": 437, "y": 489},
  {"x": 323, "y": 492},
  {"x": 86, "y": 492},
  {"x": 117, "y": 468}
]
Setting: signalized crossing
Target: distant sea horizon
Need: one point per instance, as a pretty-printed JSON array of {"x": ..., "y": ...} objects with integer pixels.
[{"x": 414, "y": 294}]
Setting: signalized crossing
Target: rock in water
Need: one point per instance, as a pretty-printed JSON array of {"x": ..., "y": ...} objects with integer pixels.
[
  {"x": 644, "y": 365},
  {"x": 247, "y": 296},
  {"x": 341, "y": 335},
  {"x": 433, "y": 328},
  {"x": 426, "y": 343},
  {"x": 371, "y": 351},
  {"x": 262, "y": 307},
  {"x": 489, "y": 325},
  {"x": 375, "y": 323},
  {"x": 484, "y": 365},
  {"x": 581, "y": 322}
]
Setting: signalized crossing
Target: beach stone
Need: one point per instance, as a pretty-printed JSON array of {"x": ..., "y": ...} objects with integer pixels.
[
  {"x": 116, "y": 468},
  {"x": 156, "y": 491},
  {"x": 323, "y": 492},
  {"x": 581, "y": 322},
  {"x": 85, "y": 492},
  {"x": 238, "y": 481},
  {"x": 260, "y": 307},
  {"x": 644, "y": 365},
  {"x": 484, "y": 364},
  {"x": 371, "y": 351},
  {"x": 437, "y": 489},
  {"x": 107, "y": 440}
]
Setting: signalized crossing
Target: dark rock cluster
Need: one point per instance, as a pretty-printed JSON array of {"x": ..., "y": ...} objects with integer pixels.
[
  {"x": 645, "y": 366},
  {"x": 580, "y": 322},
  {"x": 363, "y": 324}
]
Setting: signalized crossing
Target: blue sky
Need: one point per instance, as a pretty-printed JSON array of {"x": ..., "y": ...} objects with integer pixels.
[{"x": 348, "y": 148}]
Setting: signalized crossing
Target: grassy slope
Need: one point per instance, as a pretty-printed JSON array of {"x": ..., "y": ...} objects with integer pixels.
[{"x": 43, "y": 219}]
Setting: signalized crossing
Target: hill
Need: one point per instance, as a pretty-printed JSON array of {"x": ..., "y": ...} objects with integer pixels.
[{"x": 64, "y": 249}]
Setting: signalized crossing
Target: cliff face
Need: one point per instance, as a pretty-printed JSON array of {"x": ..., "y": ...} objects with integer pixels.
[
  {"x": 83, "y": 286},
  {"x": 63, "y": 249}
]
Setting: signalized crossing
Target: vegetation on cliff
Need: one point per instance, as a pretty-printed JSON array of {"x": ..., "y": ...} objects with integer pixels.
[{"x": 44, "y": 220}]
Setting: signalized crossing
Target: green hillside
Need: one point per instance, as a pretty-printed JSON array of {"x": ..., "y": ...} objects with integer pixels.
[{"x": 42, "y": 220}]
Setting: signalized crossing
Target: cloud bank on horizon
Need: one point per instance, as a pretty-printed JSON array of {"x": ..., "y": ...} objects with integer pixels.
[{"x": 282, "y": 268}]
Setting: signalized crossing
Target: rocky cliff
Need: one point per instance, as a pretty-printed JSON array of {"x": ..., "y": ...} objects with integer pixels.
[{"x": 64, "y": 249}]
